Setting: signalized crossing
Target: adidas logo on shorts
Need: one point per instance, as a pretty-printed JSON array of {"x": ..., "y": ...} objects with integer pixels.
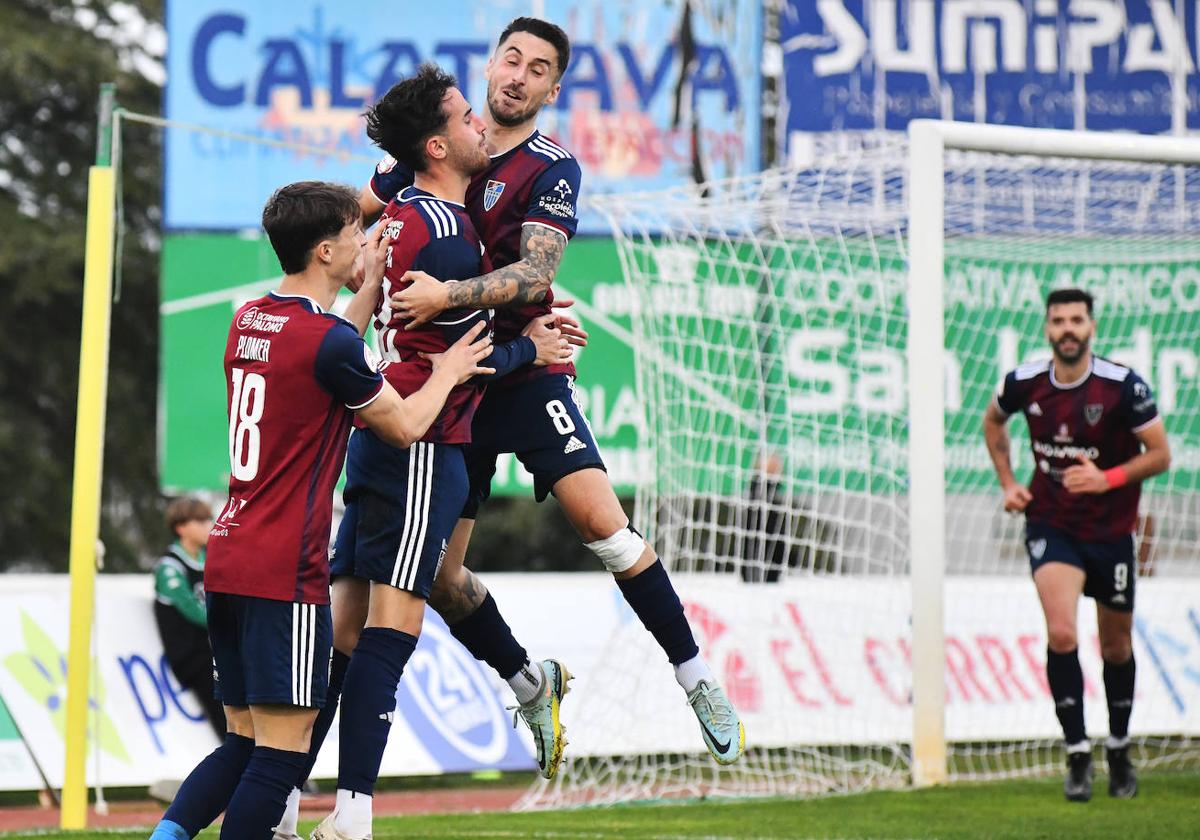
[{"x": 573, "y": 445}]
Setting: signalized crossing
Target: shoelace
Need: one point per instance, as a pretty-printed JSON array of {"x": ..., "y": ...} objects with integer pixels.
[{"x": 719, "y": 708}]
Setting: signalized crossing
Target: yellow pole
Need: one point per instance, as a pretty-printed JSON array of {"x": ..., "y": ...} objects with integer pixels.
[{"x": 89, "y": 460}]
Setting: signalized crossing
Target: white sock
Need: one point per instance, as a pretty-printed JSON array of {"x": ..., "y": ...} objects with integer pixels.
[
  {"x": 1116, "y": 743},
  {"x": 291, "y": 814},
  {"x": 353, "y": 813},
  {"x": 689, "y": 674},
  {"x": 1084, "y": 746},
  {"x": 527, "y": 684}
]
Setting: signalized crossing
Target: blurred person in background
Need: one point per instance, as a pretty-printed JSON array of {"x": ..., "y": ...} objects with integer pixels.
[{"x": 179, "y": 609}]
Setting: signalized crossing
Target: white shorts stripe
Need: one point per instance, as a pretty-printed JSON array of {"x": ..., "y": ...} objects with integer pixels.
[
  {"x": 312, "y": 650},
  {"x": 410, "y": 507},
  {"x": 295, "y": 653},
  {"x": 426, "y": 498}
]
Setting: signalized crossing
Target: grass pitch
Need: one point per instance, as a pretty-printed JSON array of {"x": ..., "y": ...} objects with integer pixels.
[{"x": 1168, "y": 806}]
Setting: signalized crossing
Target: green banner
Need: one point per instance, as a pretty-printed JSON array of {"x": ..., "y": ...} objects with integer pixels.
[
  {"x": 807, "y": 360},
  {"x": 206, "y": 277}
]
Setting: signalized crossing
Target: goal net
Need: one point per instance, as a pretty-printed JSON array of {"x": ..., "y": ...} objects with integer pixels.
[{"x": 771, "y": 320}]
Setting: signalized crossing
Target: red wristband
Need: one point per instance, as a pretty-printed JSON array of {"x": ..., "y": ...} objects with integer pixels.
[{"x": 1116, "y": 477}]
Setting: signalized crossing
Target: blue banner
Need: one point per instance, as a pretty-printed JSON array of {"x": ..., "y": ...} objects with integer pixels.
[
  {"x": 853, "y": 65},
  {"x": 655, "y": 94}
]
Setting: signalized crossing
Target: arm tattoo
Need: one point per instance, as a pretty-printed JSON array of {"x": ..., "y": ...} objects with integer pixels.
[
  {"x": 525, "y": 281},
  {"x": 456, "y": 602}
]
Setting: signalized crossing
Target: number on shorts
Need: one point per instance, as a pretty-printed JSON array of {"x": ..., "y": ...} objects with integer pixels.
[
  {"x": 558, "y": 413},
  {"x": 1120, "y": 576},
  {"x": 245, "y": 410}
]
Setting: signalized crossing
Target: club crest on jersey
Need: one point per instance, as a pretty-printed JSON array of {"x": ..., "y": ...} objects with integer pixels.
[
  {"x": 491, "y": 194},
  {"x": 1037, "y": 548},
  {"x": 1092, "y": 412}
]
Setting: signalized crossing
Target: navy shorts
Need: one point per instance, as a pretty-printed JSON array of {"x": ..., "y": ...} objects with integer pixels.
[
  {"x": 268, "y": 652},
  {"x": 1110, "y": 567},
  {"x": 401, "y": 508},
  {"x": 541, "y": 422}
]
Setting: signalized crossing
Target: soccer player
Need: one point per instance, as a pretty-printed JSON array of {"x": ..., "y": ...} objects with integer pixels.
[
  {"x": 296, "y": 376},
  {"x": 1096, "y": 436},
  {"x": 402, "y": 504},
  {"x": 523, "y": 206}
]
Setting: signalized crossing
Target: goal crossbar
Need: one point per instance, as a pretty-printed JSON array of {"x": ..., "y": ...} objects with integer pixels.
[{"x": 928, "y": 142}]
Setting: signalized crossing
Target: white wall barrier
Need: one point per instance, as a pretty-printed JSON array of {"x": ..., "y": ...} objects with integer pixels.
[{"x": 819, "y": 660}]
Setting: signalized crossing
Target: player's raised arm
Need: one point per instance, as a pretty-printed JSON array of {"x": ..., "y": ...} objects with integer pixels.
[
  {"x": 403, "y": 420},
  {"x": 525, "y": 281},
  {"x": 1016, "y": 495},
  {"x": 549, "y": 221}
]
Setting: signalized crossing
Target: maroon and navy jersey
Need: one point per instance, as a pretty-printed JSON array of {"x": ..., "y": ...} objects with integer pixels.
[
  {"x": 430, "y": 234},
  {"x": 1097, "y": 417},
  {"x": 536, "y": 182},
  {"x": 295, "y": 374}
]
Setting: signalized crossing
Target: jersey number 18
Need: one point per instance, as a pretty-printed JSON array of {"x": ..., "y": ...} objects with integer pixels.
[{"x": 245, "y": 410}]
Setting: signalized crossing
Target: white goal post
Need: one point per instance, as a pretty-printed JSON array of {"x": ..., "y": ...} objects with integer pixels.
[{"x": 928, "y": 142}]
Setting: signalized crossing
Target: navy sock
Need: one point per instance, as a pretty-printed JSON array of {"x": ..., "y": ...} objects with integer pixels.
[
  {"x": 653, "y": 599},
  {"x": 1118, "y": 690},
  {"x": 337, "y": 677},
  {"x": 208, "y": 788},
  {"x": 261, "y": 796},
  {"x": 368, "y": 703},
  {"x": 1066, "y": 685},
  {"x": 486, "y": 636}
]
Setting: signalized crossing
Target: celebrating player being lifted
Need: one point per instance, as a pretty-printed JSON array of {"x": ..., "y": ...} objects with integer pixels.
[
  {"x": 402, "y": 504},
  {"x": 1096, "y": 435},
  {"x": 523, "y": 206},
  {"x": 296, "y": 375}
]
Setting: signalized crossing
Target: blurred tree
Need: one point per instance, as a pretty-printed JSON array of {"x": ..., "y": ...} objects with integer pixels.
[{"x": 53, "y": 57}]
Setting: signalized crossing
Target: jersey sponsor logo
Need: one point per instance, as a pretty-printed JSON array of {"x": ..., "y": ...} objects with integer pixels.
[
  {"x": 257, "y": 321},
  {"x": 253, "y": 349},
  {"x": 1092, "y": 413},
  {"x": 557, "y": 206},
  {"x": 563, "y": 188},
  {"x": 492, "y": 193},
  {"x": 393, "y": 228},
  {"x": 1064, "y": 434},
  {"x": 1035, "y": 410},
  {"x": 1051, "y": 450},
  {"x": 387, "y": 164},
  {"x": 1037, "y": 548}
]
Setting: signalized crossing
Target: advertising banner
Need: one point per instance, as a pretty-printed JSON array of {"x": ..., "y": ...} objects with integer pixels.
[
  {"x": 823, "y": 660},
  {"x": 656, "y": 94},
  {"x": 1108, "y": 65}
]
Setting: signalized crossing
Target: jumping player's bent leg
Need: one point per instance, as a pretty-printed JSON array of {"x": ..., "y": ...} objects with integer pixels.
[
  {"x": 588, "y": 500},
  {"x": 474, "y": 619}
]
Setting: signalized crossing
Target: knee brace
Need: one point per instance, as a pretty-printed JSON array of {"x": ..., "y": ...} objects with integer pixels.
[{"x": 620, "y": 551}]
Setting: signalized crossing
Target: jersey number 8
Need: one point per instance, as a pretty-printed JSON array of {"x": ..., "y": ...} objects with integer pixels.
[
  {"x": 245, "y": 410},
  {"x": 563, "y": 423}
]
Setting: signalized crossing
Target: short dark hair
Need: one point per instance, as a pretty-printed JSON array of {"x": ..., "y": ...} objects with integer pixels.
[
  {"x": 299, "y": 216},
  {"x": 409, "y": 114},
  {"x": 548, "y": 32},
  {"x": 184, "y": 509},
  {"x": 1069, "y": 296}
]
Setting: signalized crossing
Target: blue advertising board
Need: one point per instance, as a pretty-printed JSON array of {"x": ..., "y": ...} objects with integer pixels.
[
  {"x": 853, "y": 65},
  {"x": 656, "y": 93}
]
